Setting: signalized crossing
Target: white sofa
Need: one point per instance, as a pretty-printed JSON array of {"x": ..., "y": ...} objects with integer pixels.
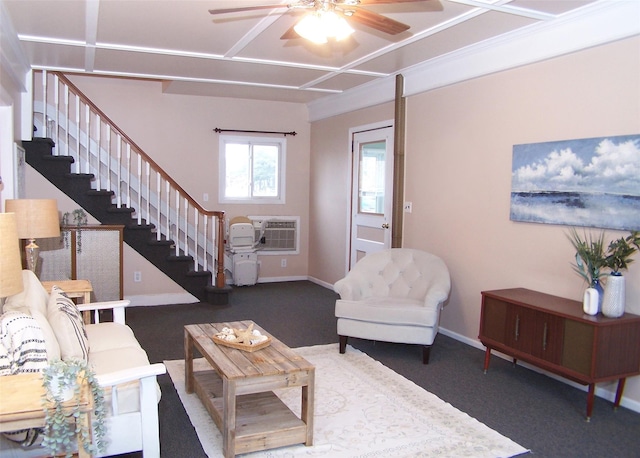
[
  {"x": 394, "y": 295},
  {"x": 121, "y": 365}
]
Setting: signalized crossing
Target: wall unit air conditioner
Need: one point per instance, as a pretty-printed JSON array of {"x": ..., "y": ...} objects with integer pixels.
[{"x": 277, "y": 234}]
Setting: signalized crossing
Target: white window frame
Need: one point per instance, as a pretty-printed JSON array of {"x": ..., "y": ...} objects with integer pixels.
[{"x": 280, "y": 198}]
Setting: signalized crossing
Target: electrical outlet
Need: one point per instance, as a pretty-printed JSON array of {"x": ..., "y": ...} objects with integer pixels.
[
  {"x": 408, "y": 206},
  {"x": 137, "y": 276},
  {"x": 283, "y": 262},
  {"x": 205, "y": 197}
]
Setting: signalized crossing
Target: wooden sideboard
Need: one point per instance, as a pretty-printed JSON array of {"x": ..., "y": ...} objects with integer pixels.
[{"x": 554, "y": 334}]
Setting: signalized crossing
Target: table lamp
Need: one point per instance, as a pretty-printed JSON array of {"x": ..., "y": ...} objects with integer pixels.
[
  {"x": 36, "y": 218},
  {"x": 10, "y": 262}
]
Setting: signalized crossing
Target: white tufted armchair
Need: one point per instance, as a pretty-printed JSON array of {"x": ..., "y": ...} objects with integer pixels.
[{"x": 393, "y": 296}]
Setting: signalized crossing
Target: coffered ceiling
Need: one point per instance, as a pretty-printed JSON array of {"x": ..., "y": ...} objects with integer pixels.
[{"x": 242, "y": 54}]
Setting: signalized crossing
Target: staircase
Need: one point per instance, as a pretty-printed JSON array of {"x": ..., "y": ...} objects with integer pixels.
[{"x": 117, "y": 183}]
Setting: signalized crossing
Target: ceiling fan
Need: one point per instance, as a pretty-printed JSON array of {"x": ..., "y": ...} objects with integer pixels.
[{"x": 328, "y": 18}]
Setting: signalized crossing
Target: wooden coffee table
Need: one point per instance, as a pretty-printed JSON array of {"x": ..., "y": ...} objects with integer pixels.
[{"x": 237, "y": 391}]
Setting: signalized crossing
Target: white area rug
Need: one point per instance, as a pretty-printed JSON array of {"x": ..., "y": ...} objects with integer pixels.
[{"x": 363, "y": 409}]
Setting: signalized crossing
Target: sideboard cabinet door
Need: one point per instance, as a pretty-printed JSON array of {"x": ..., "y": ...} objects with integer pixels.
[
  {"x": 91, "y": 253},
  {"x": 520, "y": 331}
]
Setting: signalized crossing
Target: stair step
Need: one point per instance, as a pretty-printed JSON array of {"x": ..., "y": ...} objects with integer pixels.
[
  {"x": 115, "y": 209},
  {"x": 80, "y": 176},
  {"x": 100, "y": 192},
  {"x": 140, "y": 227},
  {"x": 163, "y": 242},
  {"x": 49, "y": 157},
  {"x": 198, "y": 273},
  {"x": 180, "y": 258}
]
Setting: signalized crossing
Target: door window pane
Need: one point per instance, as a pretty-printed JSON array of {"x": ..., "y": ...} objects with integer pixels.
[{"x": 371, "y": 185}]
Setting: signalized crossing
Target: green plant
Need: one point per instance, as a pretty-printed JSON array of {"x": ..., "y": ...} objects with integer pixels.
[
  {"x": 590, "y": 255},
  {"x": 79, "y": 218},
  {"x": 620, "y": 251},
  {"x": 592, "y": 258},
  {"x": 64, "y": 425}
]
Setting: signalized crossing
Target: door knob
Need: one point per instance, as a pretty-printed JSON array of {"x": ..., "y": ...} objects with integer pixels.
[{"x": 385, "y": 226}]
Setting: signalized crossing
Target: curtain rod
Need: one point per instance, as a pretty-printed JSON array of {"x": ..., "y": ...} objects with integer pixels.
[{"x": 218, "y": 130}]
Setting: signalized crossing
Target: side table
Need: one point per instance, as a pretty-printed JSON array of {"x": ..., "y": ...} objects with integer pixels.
[{"x": 21, "y": 405}]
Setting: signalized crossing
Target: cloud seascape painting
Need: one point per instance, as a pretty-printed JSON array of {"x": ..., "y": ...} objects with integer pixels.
[{"x": 593, "y": 182}]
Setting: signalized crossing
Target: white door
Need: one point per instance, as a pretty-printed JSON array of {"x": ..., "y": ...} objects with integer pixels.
[{"x": 372, "y": 188}]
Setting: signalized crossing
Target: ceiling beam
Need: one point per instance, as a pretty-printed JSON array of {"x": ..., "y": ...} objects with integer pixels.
[
  {"x": 502, "y": 7},
  {"x": 91, "y": 34}
]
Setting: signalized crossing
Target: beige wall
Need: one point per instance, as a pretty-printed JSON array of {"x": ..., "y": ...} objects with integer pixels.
[
  {"x": 331, "y": 191},
  {"x": 458, "y": 176}
]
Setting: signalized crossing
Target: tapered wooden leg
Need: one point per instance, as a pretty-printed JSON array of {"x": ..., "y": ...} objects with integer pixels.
[
  {"x": 619, "y": 391},
  {"x": 487, "y": 358},
  {"x": 426, "y": 352},
  {"x": 590, "y": 397},
  {"x": 343, "y": 343}
]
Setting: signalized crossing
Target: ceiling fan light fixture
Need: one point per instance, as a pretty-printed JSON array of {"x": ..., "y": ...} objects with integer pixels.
[
  {"x": 336, "y": 26},
  {"x": 310, "y": 28},
  {"x": 318, "y": 26}
]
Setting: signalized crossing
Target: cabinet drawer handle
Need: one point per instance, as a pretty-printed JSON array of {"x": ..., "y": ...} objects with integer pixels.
[
  {"x": 544, "y": 337},
  {"x": 517, "y": 333}
]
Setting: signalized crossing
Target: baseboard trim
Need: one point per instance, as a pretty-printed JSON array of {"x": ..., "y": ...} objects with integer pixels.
[
  {"x": 320, "y": 282},
  {"x": 148, "y": 300},
  {"x": 600, "y": 392},
  {"x": 279, "y": 279}
]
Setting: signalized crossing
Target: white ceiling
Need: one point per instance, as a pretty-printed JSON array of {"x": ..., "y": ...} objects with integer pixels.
[{"x": 242, "y": 55}]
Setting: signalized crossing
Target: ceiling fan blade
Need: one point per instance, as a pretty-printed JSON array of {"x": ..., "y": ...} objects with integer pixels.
[
  {"x": 247, "y": 8},
  {"x": 378, "y": 22},
  {"x": 431, "y": 5},
  {"x": 290, "y": 34}
]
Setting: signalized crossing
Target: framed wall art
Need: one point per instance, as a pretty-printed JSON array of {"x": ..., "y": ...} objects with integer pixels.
[{"x": 592, "y": 182}]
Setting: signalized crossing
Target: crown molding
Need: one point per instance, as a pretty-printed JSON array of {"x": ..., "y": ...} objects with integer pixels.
[{"x": 595, "y": 24}]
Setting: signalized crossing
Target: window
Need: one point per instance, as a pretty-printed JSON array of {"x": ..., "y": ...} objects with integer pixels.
[{"x": 252, "y": 170}]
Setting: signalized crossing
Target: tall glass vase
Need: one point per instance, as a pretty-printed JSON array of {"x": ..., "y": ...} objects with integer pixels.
[{"x": 614, "y": 296}]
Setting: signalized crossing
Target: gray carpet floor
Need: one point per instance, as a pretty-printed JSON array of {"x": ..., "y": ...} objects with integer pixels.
[{"x": 540, "y": 413}]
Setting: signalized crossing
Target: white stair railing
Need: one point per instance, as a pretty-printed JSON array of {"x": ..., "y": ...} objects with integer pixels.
[{"x": 81, "y": 130}]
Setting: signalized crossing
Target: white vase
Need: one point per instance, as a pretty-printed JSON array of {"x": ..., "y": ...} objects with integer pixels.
[
  {"x": 614, "y": 296},
  {"x": 590, "y": 301}
]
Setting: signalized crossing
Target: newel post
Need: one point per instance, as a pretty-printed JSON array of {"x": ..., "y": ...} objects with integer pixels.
[{"x": 220, "y": 281}]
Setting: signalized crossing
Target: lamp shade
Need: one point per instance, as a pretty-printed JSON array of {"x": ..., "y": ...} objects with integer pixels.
[
  {"x": 10, "y": 262},
  {"x": 36, "y": 218}
]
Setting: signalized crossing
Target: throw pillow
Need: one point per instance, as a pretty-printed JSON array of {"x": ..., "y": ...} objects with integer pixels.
[
  {"x": 33, "y": 296},
  {"x": 50, "y": 341},
  {"x": 22, "y": 342},
  {"x": 66, "y": 321},
  {"x": 22, "y": 349}
]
